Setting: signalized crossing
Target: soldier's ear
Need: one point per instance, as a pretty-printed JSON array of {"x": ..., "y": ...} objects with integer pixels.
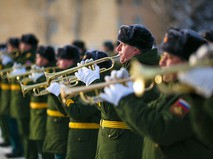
[{"x": 135, "y": 51}]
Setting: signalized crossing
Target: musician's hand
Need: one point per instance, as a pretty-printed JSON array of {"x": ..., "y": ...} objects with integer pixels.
[
  {"x": 35, "y": 75},
  {"x": 54, "y": 88},
  {"x": 201, "y": 79},
  {"x": 114, "y": 93},
  {"x": 117, "y": 74},
  {"x": 6, "y": 59},
  {"x": 18, "y": 69},
  {"x": 87, "y": 75}
]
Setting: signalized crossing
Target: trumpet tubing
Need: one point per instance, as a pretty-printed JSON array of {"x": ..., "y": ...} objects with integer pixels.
[
  {"x": 51, "y": 76},
  {"x": 26, "y": 88},
  {"x": 19, "y": 76},
  {"x": 70, "y": 92},
  {"x": 143, "y": 73},
  {"x": 139, "y": 74},
  {"x": 36, "y": 88}
]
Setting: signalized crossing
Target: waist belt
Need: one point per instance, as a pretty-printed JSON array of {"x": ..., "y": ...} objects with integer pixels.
[
  {"x": 35, "y": 105},
  {"x": 15, "y": 87},
  {"x": 5, "y": 86},
  {"x": 55, "y": 113},
  {"x": 76, "y": 125},
  {"x": 113, "y": 124}
]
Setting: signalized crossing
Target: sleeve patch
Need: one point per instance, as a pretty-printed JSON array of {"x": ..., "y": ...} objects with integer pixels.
[{"x": 180, "y": 108}]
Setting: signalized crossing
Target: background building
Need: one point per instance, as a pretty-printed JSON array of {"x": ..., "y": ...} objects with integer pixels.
[{"x": 59, "y": 22}]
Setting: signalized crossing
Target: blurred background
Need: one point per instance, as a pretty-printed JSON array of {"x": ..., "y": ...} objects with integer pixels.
[{"x": 59, "y": 22}]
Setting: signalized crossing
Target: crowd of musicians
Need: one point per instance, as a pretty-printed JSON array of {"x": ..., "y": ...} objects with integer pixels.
[{"x": 163, "y": 123}]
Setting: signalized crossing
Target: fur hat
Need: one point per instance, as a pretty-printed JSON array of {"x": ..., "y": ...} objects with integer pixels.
[
  {"x": 95, "y": 55},
  {"x": 68, "y": 52},
  {"x": 46, "y": 52},
  {"x": 14, "y": 42},
  {"x": 182, "y": 42},
  {"x": 136, "y": 35},
  {"x": 30, "y": 39},
  {"x": 79, "y": 44},
  {"x": 109, "y": 45}
]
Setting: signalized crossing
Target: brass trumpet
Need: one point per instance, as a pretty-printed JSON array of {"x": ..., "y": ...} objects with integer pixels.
[
  {"x": 139, "y": 74},
  {"x": 39, "y": 88},
  {"x": 5, "y": 72},
  {"x": 52, "y": 76},
  {"x": 26, "y": 74}
]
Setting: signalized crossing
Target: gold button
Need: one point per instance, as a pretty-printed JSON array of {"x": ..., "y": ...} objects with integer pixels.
[{"x": 156, "y": 145}]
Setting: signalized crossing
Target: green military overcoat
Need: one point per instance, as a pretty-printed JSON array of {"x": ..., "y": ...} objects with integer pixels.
[
  {"x": 165, "y": 125},
  {"x": 117, "y": 143}
]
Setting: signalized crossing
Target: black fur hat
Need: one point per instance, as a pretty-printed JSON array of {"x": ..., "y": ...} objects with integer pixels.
[
  {"x": 136, "y": 35},
  {"x": 68, "y": 52},
  {"x": 30, "y": 39},
  {"x": 79, "y": 44},
  {"x": 109, "y": 45},
  {"x": 95, "y": 55},
  {"x": 182, "y": 42},
  {"x": 46, "y": 52},
  {"x": 14, "y": 42}
]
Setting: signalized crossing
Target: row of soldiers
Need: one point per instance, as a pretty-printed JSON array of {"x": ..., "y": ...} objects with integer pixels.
[{"x": 121, "y": 125}]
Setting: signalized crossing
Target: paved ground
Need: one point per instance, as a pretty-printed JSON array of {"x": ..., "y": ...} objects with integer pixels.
[{"x": 5, "y": 150}]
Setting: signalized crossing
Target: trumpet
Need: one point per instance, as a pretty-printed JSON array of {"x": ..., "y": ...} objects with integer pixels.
[
  {"x": 26, "y": 74},
  {"x": 52, "y": 76},
  {"x": 4, "y": 72},
  {"x": 39, "y": 88},
  {"x": 139, "y": 75}
]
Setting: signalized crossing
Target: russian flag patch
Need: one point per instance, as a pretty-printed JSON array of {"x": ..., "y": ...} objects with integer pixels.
[{"x": 180, "y": 108}]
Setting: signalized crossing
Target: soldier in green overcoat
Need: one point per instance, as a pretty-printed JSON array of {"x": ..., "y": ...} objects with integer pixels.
[
  {"x": 4, "y": 60},
  {"x": 19, "y": 105},
  {"x": 201, "y": 80},
  {"x": 84, "y": 118},
  {"x": 13, "y": 52},
  {"x": 115, "y": 139},
  {"x": 45, "y": 57},
  {"x": 164, "y": 123},
  {"x": 57, "y": 126}
]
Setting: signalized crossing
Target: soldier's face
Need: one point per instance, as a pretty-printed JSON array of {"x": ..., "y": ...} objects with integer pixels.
[
  {"x": 24, "y": 47},
  {"x": 169, "y": 60},
  {"x": 41, "y": 61},
  {"x": 10, "y": 48},
  {"x": 64, "y": 63},
  {"x": 126, "y": 52}
]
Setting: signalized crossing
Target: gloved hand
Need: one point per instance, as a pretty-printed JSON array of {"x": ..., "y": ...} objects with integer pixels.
[
  {"x": 36, "y": 68},
  {"x": 84, "y": 62},
  {"x": 114, "y": 93},
  {"x": 6, "y": 59},
  {"x": 201, "y": 79},
  {"x": 87, "y": 75},
  {"x": 54, "y": 88},
  {"x": 117, "y": 74},
  {"x": 35, "y": 75},
  {"x": 18, "y": 69}
]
